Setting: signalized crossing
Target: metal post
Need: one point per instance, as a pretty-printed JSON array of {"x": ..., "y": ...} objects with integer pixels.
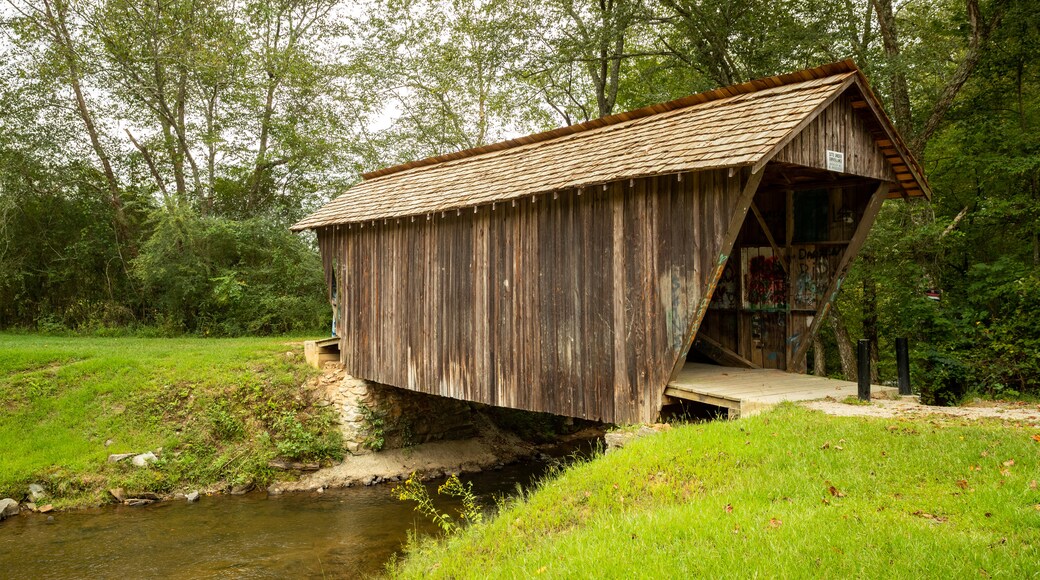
[
  {"x": 864, "y": 370},
  {"x": 903, "y": 365}
]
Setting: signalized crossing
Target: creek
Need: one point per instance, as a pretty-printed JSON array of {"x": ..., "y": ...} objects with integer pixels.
[{"x": 341, "y": 533}]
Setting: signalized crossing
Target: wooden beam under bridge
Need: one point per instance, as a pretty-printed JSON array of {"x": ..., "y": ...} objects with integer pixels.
[{"x": 720, "y": 354}]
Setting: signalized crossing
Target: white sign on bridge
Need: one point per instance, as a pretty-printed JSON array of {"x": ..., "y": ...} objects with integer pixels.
[{"x": 835, "y": 161}]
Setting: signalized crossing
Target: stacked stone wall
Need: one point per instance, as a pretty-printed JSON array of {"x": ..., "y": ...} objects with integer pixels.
[{"x": 373, "y": 416}]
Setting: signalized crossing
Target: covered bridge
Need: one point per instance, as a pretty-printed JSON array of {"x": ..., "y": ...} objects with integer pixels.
[{"x": 576, "y": 271}]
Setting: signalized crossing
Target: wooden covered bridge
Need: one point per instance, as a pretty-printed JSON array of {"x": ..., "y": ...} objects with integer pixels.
[{"x": 577, "y": 271}]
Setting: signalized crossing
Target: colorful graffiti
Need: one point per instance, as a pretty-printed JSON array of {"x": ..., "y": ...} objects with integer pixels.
[{"x": 765, "y": 280}]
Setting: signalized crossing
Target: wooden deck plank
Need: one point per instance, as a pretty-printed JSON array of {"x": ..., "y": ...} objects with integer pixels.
[
  {"x": 748, "y": 391},
  {"x": 703, "y": 398}
]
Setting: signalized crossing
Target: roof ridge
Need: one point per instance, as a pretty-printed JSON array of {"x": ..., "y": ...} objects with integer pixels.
[
  {"x": 617, "y": 126},
  {"x": 748, "y": 87}
]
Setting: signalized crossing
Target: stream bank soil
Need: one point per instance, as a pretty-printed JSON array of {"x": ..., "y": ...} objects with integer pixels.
[
  {"x": 424, "y": 434},
  {"x": 429, "y": 459}
]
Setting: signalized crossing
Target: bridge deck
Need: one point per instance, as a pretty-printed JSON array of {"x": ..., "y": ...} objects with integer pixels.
[{"x": 744, "y": 392}]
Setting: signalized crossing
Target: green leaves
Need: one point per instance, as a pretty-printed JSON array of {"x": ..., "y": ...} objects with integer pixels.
[{"x": 220, "y": 276}]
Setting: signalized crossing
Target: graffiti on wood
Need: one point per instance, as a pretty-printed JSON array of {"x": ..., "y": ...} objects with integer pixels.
[
  {"x": 811, "y": 271},
  {"x": 765, "y": 280},
  {"x": 725, "y": 297}
]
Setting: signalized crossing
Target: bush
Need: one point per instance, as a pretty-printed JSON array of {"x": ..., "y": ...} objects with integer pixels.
[
  {"x": 1003, "y": 355},
  {"x": 60, "y": 265},
  {"x": 947, "y": 380},
  {"x": 315, "y": 440},
  {"x": 216, "y": 276}
]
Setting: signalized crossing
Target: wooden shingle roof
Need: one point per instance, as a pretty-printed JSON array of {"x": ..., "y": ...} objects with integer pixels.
[{"x": 741, "y": 125}]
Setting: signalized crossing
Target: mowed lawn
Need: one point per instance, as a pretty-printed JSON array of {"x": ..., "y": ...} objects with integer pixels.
[
  {"x": 63, "y": 398},
  {"x": 791, "y": 493}
]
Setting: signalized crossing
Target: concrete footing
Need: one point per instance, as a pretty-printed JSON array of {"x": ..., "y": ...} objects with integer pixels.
[{"x": 319, "y": 352}]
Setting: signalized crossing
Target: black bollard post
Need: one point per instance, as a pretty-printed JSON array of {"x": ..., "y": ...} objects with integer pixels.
[
  {"x": 864, "y": 370},
  {"x": 903, "y": 365}
]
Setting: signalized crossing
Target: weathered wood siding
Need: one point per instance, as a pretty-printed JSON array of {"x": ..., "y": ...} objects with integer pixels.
[
  {"x": 574, "y": 304},
  {"x": 839, "y": 128}
]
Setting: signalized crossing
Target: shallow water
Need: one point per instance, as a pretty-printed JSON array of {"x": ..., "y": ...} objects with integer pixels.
[{"x": 340, "y": 533}]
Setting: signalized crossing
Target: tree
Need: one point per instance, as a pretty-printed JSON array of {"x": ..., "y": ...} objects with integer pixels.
[
  {"x": 159, "y": 109},
  {"x": 48, "y": 27},
  {"x": 448, "y": 73}
]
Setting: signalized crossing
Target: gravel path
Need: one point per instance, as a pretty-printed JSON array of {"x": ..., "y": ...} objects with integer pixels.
[{"x": 1021, "y": 412}]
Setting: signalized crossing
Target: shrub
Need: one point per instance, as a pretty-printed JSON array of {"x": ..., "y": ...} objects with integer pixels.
[
  {"x": 315, "y": 439},
  {"x": 217, "y": 276},
  {"x": 947, "y": 382}
]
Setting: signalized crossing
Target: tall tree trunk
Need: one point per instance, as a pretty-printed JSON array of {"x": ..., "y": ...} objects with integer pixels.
[
  {"x": 900, "y": 91},
  {"x": 980, "y": 32},
  {"x": 714, "y": 43},
  {"x": 273, "y": 41},
  {"x": 176, "y": 161},
  {"x": 845, "y": 350},
  {"x": 211, "y": 151},
  {"x": 610, "y": 62},
  {"x": 150, "y": 162},
  {"x": 819, "y": 359},
  {"x": 182, "y": 129},
  {"x": 902, "y": 115},
  {"x": 606, "y": 43},
  {"x": 55, "y": 24}
]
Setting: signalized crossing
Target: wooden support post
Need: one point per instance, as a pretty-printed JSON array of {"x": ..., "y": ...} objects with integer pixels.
[
  {"x": 789, "y": 350},
  {"x": 863, "y": 373},
  {"x": 780, "y": 254},
  {"x": 869, "y": 214},
  {"x": 903, "y": 365}
]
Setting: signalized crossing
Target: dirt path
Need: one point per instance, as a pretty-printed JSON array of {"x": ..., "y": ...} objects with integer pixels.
[{"x": 1020, "y": 412}]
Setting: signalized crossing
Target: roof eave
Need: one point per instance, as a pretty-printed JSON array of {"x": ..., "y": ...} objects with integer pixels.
[
  {"x": 309, "y": 223},
  {"x": 893, "y": 135}
]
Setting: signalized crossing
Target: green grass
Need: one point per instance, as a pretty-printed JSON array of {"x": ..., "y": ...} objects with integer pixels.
[
  {"x": 219, "y": 408},
  {"x": 791, "y": 493}
]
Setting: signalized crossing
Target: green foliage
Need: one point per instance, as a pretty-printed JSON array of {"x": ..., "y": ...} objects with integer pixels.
[
  {"x": 224, "y": 425},
  {"x": 470, "y": 512},
  {"x": 1006, "y": 338},
  {"x": 226, "y": 277},
  {"x": 316, "y": 439},
  {"x": 218, "y": 116},
  {"x": 978, "y": 242},
  {"x": 374, "y": 425},
  {"x": 947, "y": 380},
  {"x": 58, "y": 263},
  {"x": 242, "y": 117}
]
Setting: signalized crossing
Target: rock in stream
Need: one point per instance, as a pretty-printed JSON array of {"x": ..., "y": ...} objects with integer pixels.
[{"x": 8, "y": 508}]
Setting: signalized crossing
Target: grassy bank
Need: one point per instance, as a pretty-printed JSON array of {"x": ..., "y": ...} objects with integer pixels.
[
  {"x": 788, "y": 494},
  {"x": 218, "y": 408}
]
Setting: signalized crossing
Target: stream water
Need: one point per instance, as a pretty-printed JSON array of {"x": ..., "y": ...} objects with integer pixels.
[{"x": 342, "y": 533}]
